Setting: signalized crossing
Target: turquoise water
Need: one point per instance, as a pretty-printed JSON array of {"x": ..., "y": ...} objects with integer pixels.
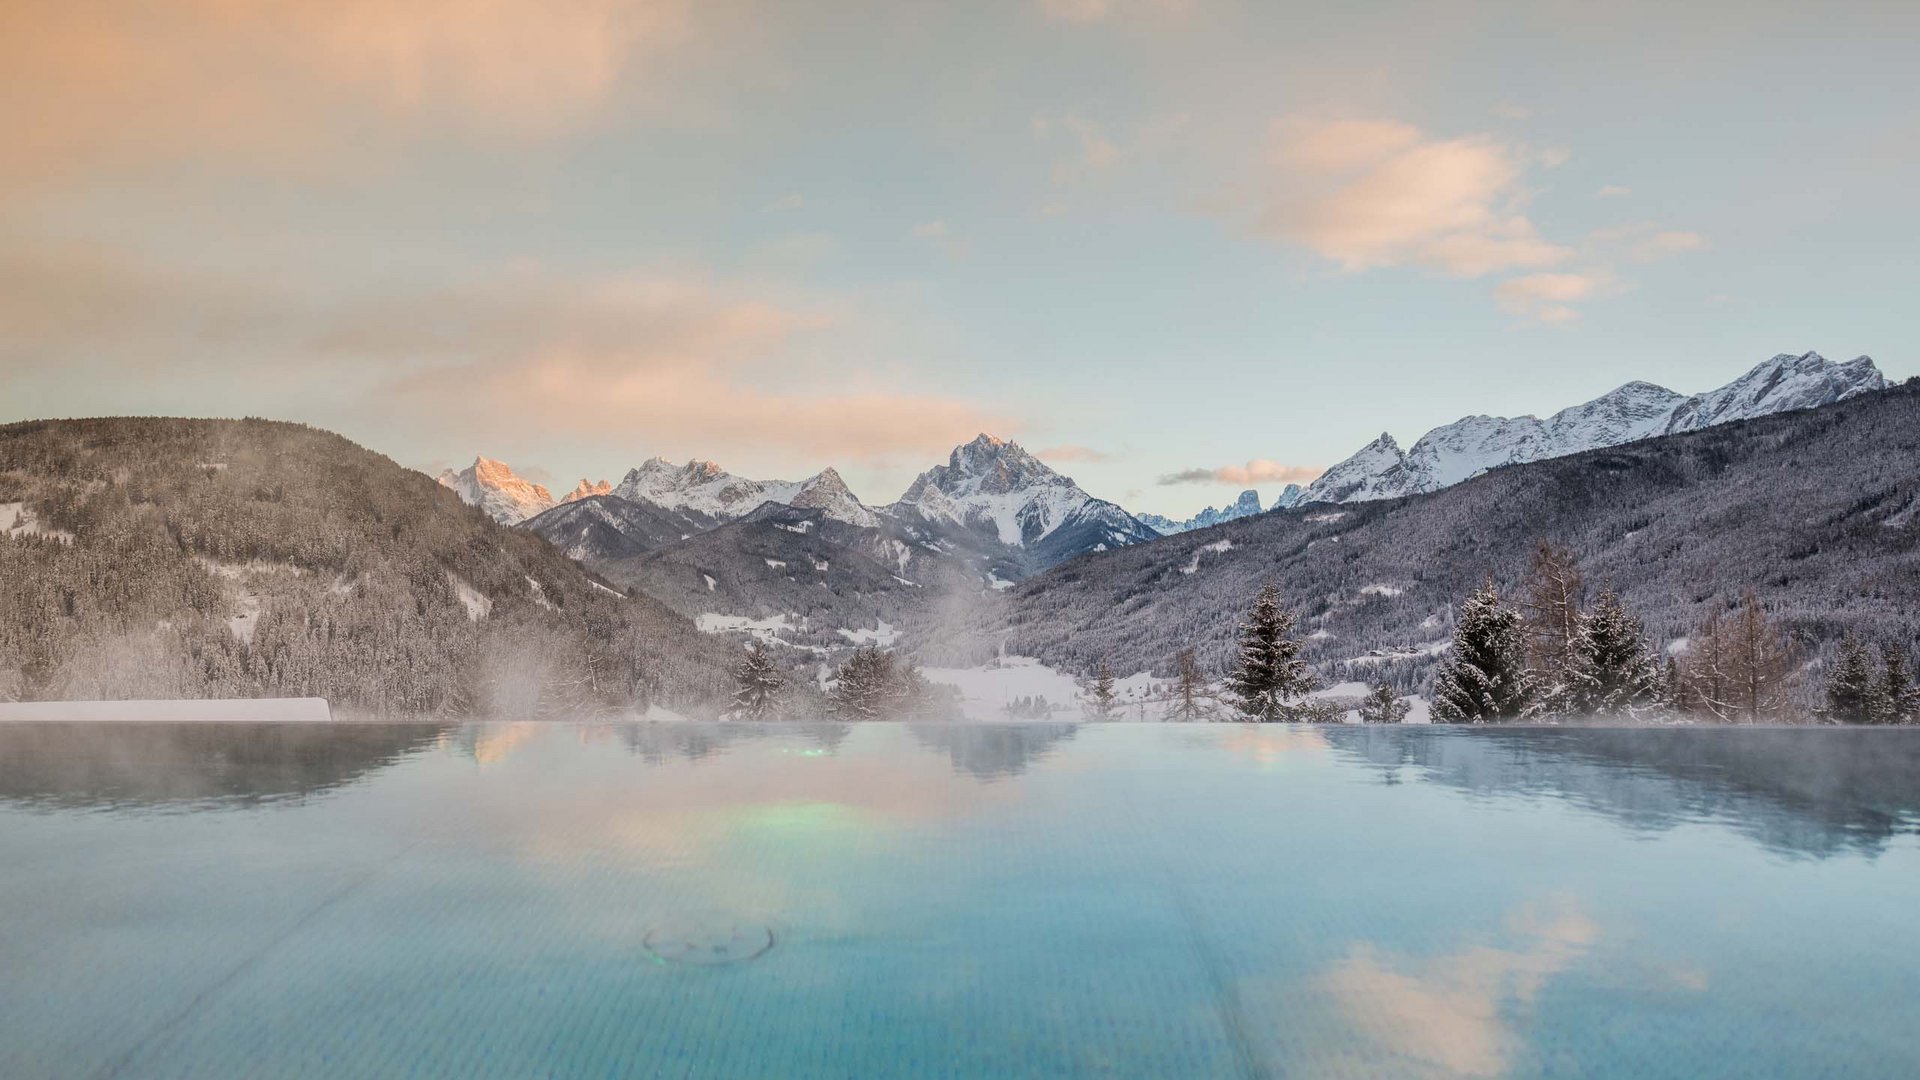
[{"x": 209, "y": 901}]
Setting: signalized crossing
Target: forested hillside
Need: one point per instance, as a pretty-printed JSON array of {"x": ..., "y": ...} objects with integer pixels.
[
  {"x": 1818, "y": 511},
  {"x": 211, "y": 558}
]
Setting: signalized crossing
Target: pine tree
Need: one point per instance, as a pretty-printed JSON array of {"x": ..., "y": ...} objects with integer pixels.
[
  {"x": 1673, "y": 686},
  {"x": 1612, "y": 672},
  {"x": 866, "y": 686},
  {"x": 1550, "y": 603},
  {"x": 1902, "y": 693},
  {"x": 1484, "y": 680},
  {"x": 1270, "y": 674},
  {"x": 1383, "y": 706},
  {"x": 1100, "y": 695},
  {"x": 757, "y": 685},
  {"x": 1188, "y": 686},
  {"x": 1856, "y": 694}
]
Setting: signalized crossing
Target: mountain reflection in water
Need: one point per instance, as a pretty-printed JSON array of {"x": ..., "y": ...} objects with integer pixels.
[{"x": 1810, "y": 792}]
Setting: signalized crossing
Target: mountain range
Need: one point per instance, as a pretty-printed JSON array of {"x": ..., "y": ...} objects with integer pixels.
[
  {"x": 1470, "y": 446},
  {"x": 1817, "y": 510},
  {"x": 1247, "y": 505}
]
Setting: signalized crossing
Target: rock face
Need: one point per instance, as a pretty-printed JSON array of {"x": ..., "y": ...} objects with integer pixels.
[
  {"x": 493, "y": 487},
  {"x": 998, "y": 490},
  {"x": 586, "y": 490},
  {"x": 1639, "y": 410}
]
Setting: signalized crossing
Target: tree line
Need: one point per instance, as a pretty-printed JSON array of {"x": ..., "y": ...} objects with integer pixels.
[{"x": 1553, "y": 656}]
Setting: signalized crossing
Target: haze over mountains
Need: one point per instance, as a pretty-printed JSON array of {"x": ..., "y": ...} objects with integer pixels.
[{"x": 184, "y": 557}]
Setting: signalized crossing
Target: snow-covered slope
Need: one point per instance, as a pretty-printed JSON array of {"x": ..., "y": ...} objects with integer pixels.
[
  {"x": 996, "y": 489},
  {"x": 492, "y": 486},
  {"x": 1247, "y": 505},
  {"x": 703, "y": 487},
  {"x": 1468, "y": 447}
]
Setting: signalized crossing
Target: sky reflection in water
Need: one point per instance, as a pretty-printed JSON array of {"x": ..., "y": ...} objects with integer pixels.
[{"x": 221, "y": 900}]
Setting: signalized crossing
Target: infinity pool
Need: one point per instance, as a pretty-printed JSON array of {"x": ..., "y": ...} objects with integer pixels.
[{"x": 736, "y": 901}]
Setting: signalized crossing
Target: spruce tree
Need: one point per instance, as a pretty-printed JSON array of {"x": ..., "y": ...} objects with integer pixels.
[
  {"x": 757, "y": 685},
  {"x": 1270, "y": 674},
  {"x": 1612, "y": 673},
  {"x": 1856, "y": 694},
  {"x": 866, "y": 686},
  {"x": 1485, "y": 679},
  {"x": 1902, "y": 693},
  {"x": 1383, "y": 706},
  {"x": 1100, "y": 695}
]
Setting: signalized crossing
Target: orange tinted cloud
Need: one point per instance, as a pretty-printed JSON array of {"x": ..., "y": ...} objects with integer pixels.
[
  {"x": 87, "y": 85},
  {"x": 1257, "y": 471},
  {"x": 1374, "y": 193},
  {"x": 678, "y": 360}
]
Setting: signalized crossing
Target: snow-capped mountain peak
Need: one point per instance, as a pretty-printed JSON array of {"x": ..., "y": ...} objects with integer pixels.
[
  {"x": 1638, "y": 410},
  {"x": 704, "y": 487},
  {"x": 1247, "y": 505},
  {"x": 827, "y": 492},
  {"x": 493, "y": 487},
  {"x": 585, "y": 490},
  {"x": 998, "y": 489}
]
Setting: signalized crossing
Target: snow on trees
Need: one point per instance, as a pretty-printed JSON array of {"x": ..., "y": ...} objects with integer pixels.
[
  {"x": 1611, "y": 673},
  {"x": 1270, "y": 676},
  {"x": 1484, "y": 679},
  {"x": 1383, "y": 706},
  {"x": 757, "y": 685},
  {"x": 1550, "y": 604},
  {"x": 1856, "y": 693}
]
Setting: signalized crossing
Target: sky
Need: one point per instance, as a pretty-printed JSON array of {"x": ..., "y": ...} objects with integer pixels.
[{"x": 1175, "y": 247}]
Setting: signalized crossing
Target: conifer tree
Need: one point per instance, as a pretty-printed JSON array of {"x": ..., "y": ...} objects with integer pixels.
[
  {"x": 866, "y": 685},
  {"x": 1612, "y": 673},
  {"x": 1188, "y": 685},
  {"x": 757, "y": 685},
  {"x": 1270, "y": 674},
  {"x": 1100, "y": 695},
  {"x": 1484, "y": 680},
  {"x": 1383, "y": 706},
  {"x": 1902, "y": 693},
  {"x": 1856, "y": 693}
]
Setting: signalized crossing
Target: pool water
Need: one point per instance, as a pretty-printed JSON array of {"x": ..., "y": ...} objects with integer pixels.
[{"x": 663, "y": 900}]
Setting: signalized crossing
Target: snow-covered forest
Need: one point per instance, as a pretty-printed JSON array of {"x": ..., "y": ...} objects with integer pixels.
[{"x": 187, "y": 558}]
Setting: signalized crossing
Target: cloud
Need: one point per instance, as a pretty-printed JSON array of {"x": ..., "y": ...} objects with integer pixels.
[
  {"x": 1257, "y": 471},
  {"x": 1453, "y": 1015},
  {"x": 103, "y": 85},
  {"x": 1615, "y": 191},
  {"x": 1547, "y": 297},
  {"x": 1381, "y": 193},
  {"x": 1644, "y": 242},
  {"x": 603, "y": 360},
  {"x": 791, "y": 201},
  {"x": 1073, "y": 453}
]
